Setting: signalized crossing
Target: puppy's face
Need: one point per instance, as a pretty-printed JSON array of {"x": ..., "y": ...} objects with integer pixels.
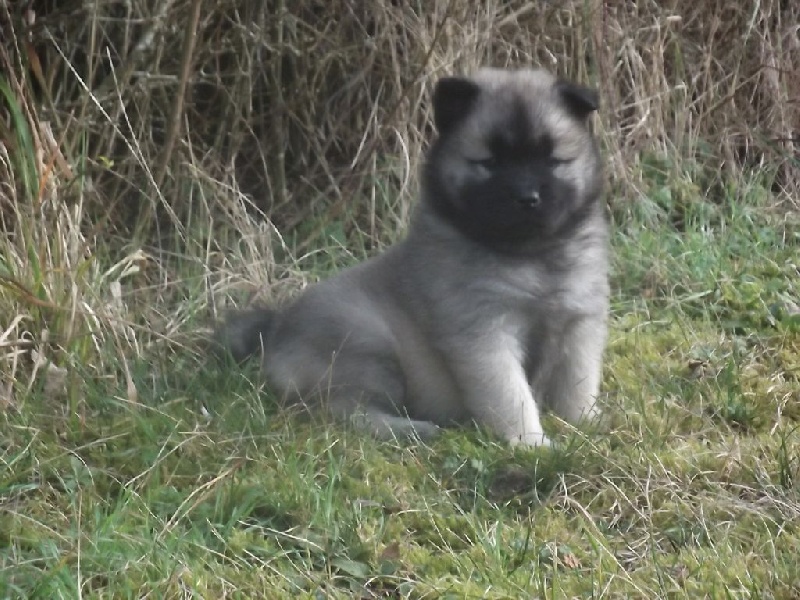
[{"x": 515, "y": 160}]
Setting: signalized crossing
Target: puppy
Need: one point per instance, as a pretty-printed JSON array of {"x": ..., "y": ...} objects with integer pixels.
[{"x": 494, "y": 304}]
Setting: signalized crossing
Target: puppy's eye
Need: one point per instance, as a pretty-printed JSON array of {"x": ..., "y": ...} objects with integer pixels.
[
  {"x": 556, "y": 161},
  {"x": 489, "y": 163}
]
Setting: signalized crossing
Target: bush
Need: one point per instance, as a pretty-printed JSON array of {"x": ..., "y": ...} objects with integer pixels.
[
  {"x": 234, "y": 136},
  {"x": 307, "y": 105}
]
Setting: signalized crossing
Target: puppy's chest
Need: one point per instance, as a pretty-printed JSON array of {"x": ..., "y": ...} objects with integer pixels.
[{"x": 533, "y": 290}]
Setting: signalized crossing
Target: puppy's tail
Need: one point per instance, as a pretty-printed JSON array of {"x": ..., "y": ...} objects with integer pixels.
[{"x": 243, "y": 334}]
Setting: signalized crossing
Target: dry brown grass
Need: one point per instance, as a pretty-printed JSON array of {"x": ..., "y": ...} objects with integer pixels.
[{"x": 303, "y": 103}]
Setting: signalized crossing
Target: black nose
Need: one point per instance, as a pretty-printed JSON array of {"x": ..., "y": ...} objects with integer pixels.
[{"x": 532, "y": 199}]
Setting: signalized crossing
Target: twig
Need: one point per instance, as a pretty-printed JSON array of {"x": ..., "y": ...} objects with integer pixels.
[{"x": 177, "y": 107}]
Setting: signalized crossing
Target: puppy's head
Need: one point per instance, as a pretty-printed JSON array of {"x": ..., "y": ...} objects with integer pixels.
[{"x": 515, "y": 160}]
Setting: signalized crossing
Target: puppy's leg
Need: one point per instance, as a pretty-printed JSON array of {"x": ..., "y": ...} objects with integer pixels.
[
  {"x": 364, "y": 411},
  {"x": 574, "y": 382},
  {"x": 360, "y": 386},
  {"x": 496, "y": 389}
]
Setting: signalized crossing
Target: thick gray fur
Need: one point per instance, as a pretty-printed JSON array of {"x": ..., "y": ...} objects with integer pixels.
[{"x": 495, "y": 303}]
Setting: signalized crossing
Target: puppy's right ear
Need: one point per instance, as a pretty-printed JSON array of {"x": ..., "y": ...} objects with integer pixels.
[
  {"x": 453, "y": 98},
  {"x": 581, "y": 101}
]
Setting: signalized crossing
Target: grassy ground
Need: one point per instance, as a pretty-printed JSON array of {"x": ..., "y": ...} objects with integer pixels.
[{"x": 146, "y": 472}]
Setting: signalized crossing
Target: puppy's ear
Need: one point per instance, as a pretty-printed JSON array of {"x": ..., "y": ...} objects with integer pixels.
[
  {"x": 452, "y": 100},
  {"x": 579, "y": 100}
]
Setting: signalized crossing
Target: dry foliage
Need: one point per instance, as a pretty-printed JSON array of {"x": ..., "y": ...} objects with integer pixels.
[
  {"x": 133, "y": 132},
  {"x": 306, "y": 105}
]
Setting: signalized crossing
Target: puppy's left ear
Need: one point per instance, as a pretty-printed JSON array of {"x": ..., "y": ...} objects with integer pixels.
[
  {"x": 453, "y": 98},
  {"x": 580, "y": 101}
]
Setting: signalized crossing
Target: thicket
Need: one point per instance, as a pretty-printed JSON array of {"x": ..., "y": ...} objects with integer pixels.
[
  {"x": 307, "y": 106},
  {"x": 135, "y": 132}
]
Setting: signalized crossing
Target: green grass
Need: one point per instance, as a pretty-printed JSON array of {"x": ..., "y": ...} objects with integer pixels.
[{"x": 186, "y": 481}]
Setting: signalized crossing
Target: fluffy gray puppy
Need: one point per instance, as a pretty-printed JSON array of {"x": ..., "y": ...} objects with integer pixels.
[{"x": 496, "y": 300}]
